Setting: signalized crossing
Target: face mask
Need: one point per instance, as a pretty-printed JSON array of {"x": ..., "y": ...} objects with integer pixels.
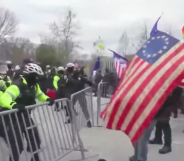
[
  {"x": 60, "y": 72},
  {"x": 31, "y": 79}
]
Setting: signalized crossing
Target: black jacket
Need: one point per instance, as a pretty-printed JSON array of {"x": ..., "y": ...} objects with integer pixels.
[{"x": 171, "y": 104}]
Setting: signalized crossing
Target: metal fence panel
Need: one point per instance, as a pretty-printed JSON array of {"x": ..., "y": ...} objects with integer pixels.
[
  {"x": 39, "y": 132},
  {"x": 82, "y": 103},
  {"x": 103, "y": 98}
]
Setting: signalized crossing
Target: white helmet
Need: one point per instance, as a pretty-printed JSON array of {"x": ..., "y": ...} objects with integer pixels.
[
  {"x": 47, "y": 66},
  {"x": 17, "y": 67},
  {"x": 60, "y": 68},
  {"x": 69, "y": 65},
  {"x": 33, "y": 68},
  {"x": 8, "y": 62}
]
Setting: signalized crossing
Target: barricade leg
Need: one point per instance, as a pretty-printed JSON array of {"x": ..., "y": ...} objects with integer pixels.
[
  {"x": 13, "y": 137},
  {"x": 83, "y": 115},
  {"x": 99, "y": 94},
  {"x": 31, "y": 135},
  {"x": 91, "y": 109},
  {"x": 103, "y": 98},
  {"x": 83, "y": 105}
]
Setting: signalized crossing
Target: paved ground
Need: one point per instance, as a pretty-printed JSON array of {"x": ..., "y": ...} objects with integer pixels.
[
  {"x": 111, "y": 145},
  {"x": 115, "y": 146}
]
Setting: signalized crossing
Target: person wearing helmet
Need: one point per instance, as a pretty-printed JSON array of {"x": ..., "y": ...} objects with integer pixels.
[
  {"x": 74, "y": 84},
  {"x": 70, "y": 68},
  {"x": 59, "y": 81},
  {"x": 4, "y": 76},
  {"x": 56, "y": 78},
  {"x": 20, "y": 94},
  {"x": 69, "y": 87},
  {"x": 48, "y": 70},
  {"x": 81, "y": 81},
  {"x": 19, "y": 72},
  {"x": 9, "y": 65},
  {"x": 2, "y": 87}
]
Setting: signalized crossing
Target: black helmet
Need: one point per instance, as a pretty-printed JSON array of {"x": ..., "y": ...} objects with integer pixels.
[{"x": 26, "y": 61}]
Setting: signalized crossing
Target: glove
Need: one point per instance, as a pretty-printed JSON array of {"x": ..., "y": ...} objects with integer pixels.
[
  {"x": 19, "y": 107},
  {"x": 51, "y": 101}
]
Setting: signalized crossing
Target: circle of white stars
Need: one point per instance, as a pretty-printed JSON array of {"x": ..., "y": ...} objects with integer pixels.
[{"x": 148, "y": 55}]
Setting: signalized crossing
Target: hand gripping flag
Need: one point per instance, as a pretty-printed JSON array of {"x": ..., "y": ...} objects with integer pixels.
[{"x": 155, "y": 70}]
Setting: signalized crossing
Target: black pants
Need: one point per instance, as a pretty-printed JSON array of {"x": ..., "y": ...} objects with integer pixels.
[
  {"x": 105, "y": 88},
  {"x": 16, "y": 142},
  {"x": 163, "y": 125}
]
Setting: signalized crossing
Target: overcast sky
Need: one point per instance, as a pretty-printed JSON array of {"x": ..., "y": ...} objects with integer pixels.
[{"x": 105, "y": 18}]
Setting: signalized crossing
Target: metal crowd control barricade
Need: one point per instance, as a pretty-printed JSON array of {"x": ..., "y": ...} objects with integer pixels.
[
  {"x": 103, "y": 98},
  {"x": 82, "y": 103},
  {"x": 39, "y": 131}
]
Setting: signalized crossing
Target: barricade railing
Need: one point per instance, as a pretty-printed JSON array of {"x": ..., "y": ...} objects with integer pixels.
[
  {"x": 82, "y": 103},
  {"x": 103, "y": 98},
  {"x": 40, "y": 131}
]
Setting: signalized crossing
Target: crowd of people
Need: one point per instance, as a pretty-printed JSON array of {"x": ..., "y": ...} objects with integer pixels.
[
  {"x": 21, "y": 87},
  {"x": 110, "y": 78},
  {"x": 161, "y": 121}
]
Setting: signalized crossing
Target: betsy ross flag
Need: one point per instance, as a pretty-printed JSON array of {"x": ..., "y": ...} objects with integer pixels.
[
  {"x": 120, "y": 64},
  {"x": 155, "y": 70}
]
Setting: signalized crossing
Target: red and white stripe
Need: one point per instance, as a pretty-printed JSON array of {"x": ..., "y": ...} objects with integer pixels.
[
  {"x": 142, "y": 92},
  {"x": 182, "y": 84},
  {"x": 120, "y": 68}
]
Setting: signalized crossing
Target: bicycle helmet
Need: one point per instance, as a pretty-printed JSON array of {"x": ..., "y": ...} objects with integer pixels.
[
  {"x": 69, "y": 65},
  {"x": 33, "y": 68},
  {"x": 17, "y": 67},
  {"x": 60, "y": 68},
  {"x": 8, "y": 62}
]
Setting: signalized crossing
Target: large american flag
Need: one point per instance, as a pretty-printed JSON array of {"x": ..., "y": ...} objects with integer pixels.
[
  {"x": 120, "y": 64},
  {"x": 155, "y": 70},
  {"x": 182, "y": 84}
]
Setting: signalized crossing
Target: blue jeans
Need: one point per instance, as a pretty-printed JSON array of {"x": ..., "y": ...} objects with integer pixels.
[{"x": 141, "y": 146}]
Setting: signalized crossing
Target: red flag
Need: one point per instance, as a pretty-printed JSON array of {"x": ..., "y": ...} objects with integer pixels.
[{"x": 151, "y": 75}]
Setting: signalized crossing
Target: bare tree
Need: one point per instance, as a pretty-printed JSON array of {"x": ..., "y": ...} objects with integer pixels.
[
  {"x": 123, "y": 43},
  {"x": 62, "y": 35},
  {"x": 143, "y": 36},
  {"x": 8, "y": 24},
  {"x": 21, "y": 48},
  {"x": 48, "y": 39},
  {"x": 65, "y": 31}
]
